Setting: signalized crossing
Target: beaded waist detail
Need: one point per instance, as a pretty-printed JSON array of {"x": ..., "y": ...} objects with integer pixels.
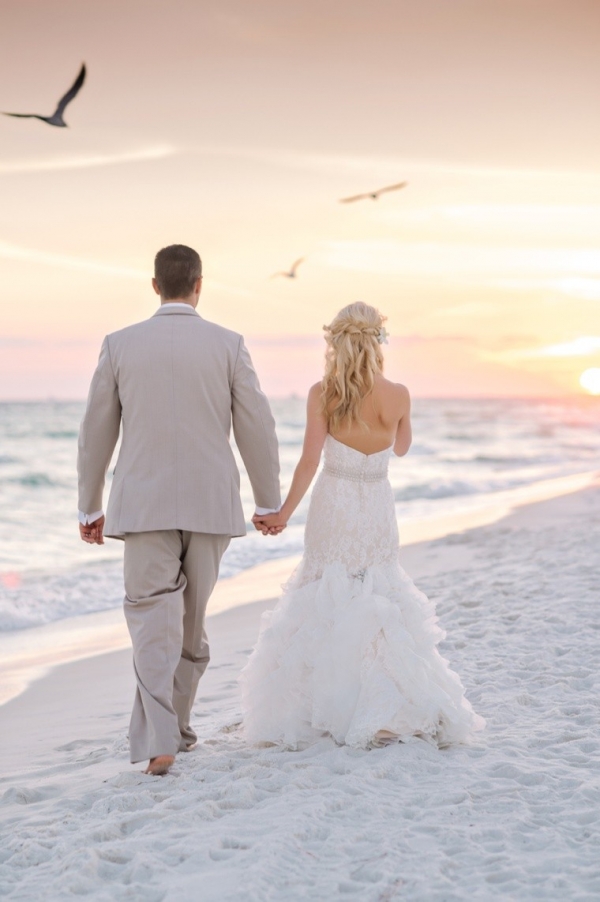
[{"x": 341, "y": 473}]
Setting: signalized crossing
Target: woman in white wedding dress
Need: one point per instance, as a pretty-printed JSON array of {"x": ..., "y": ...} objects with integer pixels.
[{"x": 350, "y": 649}]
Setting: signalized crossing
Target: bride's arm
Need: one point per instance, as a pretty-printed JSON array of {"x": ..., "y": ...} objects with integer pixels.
[
  {"x": 403, "y": 438},
  {"x": 314, "y": 439}
]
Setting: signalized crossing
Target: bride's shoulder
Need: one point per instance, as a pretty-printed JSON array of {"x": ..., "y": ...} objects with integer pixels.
[
  {"x": 314, "y": 392},
  {"x": 394, "y": 399},
  {"x": 313, "y": 402},
  {"x": 394, "y": 389}
]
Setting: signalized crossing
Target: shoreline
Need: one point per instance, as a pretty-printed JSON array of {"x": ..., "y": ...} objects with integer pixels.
[{"x": 29, "y": 655}]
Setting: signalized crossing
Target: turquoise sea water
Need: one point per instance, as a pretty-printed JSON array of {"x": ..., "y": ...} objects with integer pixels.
[{"x": 464, "y": 451}]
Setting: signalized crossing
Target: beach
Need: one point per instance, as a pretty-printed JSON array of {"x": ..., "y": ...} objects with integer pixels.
[
  {"x": 387, "y": 227},
  {"x": 515, "y": 815}
]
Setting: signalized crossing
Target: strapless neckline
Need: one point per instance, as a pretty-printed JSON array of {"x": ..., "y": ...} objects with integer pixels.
[{"x": 356, "y": 451}]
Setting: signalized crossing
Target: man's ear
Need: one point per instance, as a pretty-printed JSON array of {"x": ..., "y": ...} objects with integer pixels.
[{"x": 155, "y": 286}]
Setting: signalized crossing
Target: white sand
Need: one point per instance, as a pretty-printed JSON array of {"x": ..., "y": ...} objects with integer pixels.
[{"x": 515, "y": 817}]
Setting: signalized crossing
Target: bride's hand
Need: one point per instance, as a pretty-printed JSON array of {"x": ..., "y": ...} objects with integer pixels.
[
  {"x": 92, "y": 533},
  {"x": 269, "y": 524}
]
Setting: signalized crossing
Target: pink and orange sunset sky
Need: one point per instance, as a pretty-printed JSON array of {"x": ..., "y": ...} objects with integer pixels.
[{"x": 236, "y": 126}]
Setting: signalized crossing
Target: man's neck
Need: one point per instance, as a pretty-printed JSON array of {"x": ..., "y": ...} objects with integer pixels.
[{"x": 179, "y": 301}]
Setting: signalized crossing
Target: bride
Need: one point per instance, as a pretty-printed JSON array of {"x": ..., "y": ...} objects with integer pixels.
[{"x": 350, "y": 649}]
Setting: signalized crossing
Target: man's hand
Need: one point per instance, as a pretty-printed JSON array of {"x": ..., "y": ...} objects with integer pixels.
[
  {"x": 269, "y": 524},
  {"x": 92, "y": 533}
]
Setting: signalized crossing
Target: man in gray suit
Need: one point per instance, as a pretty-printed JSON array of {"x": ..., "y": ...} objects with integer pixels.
[{"x": 175, "y": 384}]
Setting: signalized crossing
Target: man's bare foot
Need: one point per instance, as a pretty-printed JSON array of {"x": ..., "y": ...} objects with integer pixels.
[{"x": 160, "y": 765}]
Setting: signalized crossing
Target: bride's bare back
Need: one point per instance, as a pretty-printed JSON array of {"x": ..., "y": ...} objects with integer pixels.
[{"x": 386, "y": 412}]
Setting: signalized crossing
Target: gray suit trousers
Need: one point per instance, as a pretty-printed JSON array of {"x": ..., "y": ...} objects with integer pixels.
[{"x": 169, "y": 577}]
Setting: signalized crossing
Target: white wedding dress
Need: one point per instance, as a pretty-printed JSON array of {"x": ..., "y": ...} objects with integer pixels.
[{"x": 350, "y": 649}]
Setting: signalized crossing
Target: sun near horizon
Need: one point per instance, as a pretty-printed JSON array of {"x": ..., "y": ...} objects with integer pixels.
[{"x": 590, "y": 381}]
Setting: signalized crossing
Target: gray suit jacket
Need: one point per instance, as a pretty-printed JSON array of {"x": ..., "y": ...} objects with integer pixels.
[{"x": 176, "y": 383}]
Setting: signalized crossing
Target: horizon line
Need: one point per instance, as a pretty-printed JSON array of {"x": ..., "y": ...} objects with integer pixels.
[{"x": 299, "y": 397}]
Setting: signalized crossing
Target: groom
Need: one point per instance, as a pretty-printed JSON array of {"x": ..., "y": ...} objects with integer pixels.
[{"x": 174, "y": 384}]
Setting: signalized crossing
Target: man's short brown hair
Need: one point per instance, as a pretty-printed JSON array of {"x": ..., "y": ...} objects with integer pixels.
[{"x": 176, "y": 269}]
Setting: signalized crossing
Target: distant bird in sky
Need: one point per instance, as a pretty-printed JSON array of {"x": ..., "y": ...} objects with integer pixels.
[
  {"x": 57, "y": 116},
  {"x": 291, "y": 274},
  {"x": 373, "y": 194}
]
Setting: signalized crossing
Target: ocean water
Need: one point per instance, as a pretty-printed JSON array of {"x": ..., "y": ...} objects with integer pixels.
[{"x": 465, "y": 452}]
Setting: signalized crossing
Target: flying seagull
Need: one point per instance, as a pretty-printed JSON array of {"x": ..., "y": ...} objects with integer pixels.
[
  {"x": 57, "y": 116},
  {"x": 373, "y": 194},
  {"x": 291, "y": 274}
]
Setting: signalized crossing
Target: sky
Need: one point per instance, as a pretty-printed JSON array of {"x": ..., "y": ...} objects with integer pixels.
[{"x": 236, "y": 127}]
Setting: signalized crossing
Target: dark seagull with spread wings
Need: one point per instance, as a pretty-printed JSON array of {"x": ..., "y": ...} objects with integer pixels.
[
  {"x": 373, "y": 194},
  {"x": 291, "y": 273},
  {"x": 57, "y": 116}
]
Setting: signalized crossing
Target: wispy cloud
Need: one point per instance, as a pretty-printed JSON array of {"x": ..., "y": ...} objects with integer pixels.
[
  {"x": 65, "y": 261},
  {"x": 471, "y": 308},
  {"x": 340, "y": 164},
  {"x": 584, "y": 346},
  {"x": 102, "y": 267},
  {"x": 88, "y": 161},
  {"x": 385, "y": 165},
  {"x": 581, "y": 287},
  {"x": 543, "y": 217},
  {"x": 462, "y": 261}
]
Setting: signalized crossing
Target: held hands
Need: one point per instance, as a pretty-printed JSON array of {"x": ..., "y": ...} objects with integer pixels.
[
  {"x": 92, "y": 533},
  {"x": 269, "y": 524}
]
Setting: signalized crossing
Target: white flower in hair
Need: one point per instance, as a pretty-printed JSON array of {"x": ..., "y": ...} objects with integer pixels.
[{"x": 383, "y": 336}]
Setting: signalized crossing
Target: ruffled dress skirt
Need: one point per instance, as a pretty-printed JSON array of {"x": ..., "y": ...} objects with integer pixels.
[{"x": 350, "y": 650}]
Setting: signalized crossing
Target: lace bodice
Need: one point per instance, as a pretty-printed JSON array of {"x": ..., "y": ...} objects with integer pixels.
[
  {"x": 351, "y": 518},
  {"x": 347, "y": 463}
]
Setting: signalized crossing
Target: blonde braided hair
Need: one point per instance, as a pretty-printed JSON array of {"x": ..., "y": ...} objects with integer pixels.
[{"x": 352, "y": 360}]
